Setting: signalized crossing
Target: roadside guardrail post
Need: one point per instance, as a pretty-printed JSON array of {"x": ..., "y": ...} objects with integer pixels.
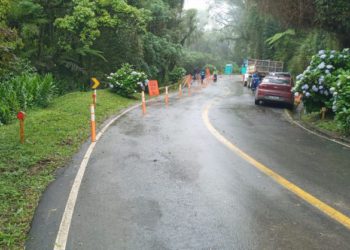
[
  {"x": 143, "y": 102},
  {"x": 166, "y": 95},
  {"x": 21, "y": 116},
  {"x": 93, "y": 123}
]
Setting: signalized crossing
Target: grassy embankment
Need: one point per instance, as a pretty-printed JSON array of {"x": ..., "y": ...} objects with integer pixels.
[
  {"x": 328, "y": 124},
  {"x": 53, "y": 135}
]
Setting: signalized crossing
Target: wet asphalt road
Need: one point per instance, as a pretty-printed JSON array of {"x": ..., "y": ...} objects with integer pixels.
[{"x": 164, "y": 182}]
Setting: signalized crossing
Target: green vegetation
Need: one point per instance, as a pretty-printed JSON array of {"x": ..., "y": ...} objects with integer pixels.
[
  {"x": 53, "y": 135},
  {"x": 294, "y": 32},
  {"x": 177, "y": 74},
  {"x": 326, "y": 83},
  {"x": 125, "y": 81},
  {"x": 51, "y": 48},
  {"x": 74, "y": 40},
  {"x": 291, "y": 31},
  {"x": 328, "y": 124},
  {"x": 24, "y": 91}
]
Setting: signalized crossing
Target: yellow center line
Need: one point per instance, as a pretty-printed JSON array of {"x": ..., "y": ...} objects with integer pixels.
[{"x": 312, "y": 200}]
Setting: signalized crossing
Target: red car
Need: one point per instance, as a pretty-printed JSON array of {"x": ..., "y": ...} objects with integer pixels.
[{"x": 275, "y": 89}]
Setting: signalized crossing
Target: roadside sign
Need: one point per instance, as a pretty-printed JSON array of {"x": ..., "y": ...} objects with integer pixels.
[
  {"x": 94, "y": 83},
  {"x": 153, "y": 88}
]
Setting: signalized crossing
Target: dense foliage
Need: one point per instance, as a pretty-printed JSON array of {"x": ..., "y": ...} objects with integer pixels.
[
  {"x": 341, "y": 104},
  {"x": 177, "y": 74},
  {"x": 293, "y": 32},
  {"x": 126, "y": 81},
  {"x": 24, "y": 91},
  {"x": 262, "y": 29},
  {"x": 325, "y": 83},
  {"x": 76, "y": 39}
]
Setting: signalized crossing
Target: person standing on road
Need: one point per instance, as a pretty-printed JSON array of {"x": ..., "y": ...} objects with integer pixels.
[
  {"x": 215, "y": 75},
  {"x": 202, "y": 76},
  {"x": 255, "y": 81},
  {"x": 243, "y": 72}
]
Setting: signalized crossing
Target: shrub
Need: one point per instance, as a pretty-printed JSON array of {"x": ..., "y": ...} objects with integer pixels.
[
  {"x": 318, "y": 80},
  {"x": 25, "y": 91},
  {"x": 341, "y": 103},
  {"x": 177, "y": 74},
  {"x": 126, "y": 81}
]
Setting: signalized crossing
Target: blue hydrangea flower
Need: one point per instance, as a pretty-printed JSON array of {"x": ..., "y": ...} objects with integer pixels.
[
  {"x": 307, "y": 94},
  {"x": 322, "y": 65},
  {"x": 299, "y": 77},
  {"x": 323, "y": 56},
  {"x": 321, "y": 52},
  {"x": 327, "y": 71},
  {"x": 305, "y": 86}
]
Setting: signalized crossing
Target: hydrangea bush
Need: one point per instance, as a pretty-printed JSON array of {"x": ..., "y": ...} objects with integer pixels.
[
  {"x": 341, "y": 100},
  {"x": 326, "y": 83},
  {"x": 126, "y": 81}
]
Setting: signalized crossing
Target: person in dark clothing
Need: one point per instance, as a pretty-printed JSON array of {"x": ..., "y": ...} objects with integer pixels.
[{"x": 202, "y": 75}]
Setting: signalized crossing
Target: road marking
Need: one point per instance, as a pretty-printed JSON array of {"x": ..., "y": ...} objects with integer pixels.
[
  {"x": 62, "y": 235},
  {"x": 312, "y": 200},
  {"x": 313, "y": 132}
]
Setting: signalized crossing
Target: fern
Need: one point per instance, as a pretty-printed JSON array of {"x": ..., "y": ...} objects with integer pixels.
[{"x": 272, "y": 41}]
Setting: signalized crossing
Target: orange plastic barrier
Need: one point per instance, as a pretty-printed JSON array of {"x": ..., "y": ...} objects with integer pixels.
[{"x": 153, "y": 88}]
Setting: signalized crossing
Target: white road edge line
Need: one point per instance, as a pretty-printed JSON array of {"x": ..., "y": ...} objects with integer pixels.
[
  {"x": 313, "y": 132},
  {"x": 62, "y": 235}
]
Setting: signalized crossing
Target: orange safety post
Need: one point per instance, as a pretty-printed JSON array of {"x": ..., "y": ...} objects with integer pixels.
[
  {"x": 94, "y": 97},
  {"x": 180, "y": 89},
  {"x": 166, "y": 95},
  {"x": 143, "y": 102},
  {"x": 20, "y": 116},
  {"x": 297, "y": 99},
  {"x": 93, "y": 123},
  {"x": 188, "y": 81}
]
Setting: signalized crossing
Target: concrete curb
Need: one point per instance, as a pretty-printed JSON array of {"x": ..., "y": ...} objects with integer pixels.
[{"x": 317, "y": 131}]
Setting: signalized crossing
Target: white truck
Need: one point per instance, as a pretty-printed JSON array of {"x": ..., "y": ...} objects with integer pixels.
[{"x": 262, "y": 67}]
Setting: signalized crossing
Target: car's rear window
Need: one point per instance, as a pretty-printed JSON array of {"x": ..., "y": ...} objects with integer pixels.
[
  {"x": 284, "y": 81},
  {"x": 280, "y": 74}
]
